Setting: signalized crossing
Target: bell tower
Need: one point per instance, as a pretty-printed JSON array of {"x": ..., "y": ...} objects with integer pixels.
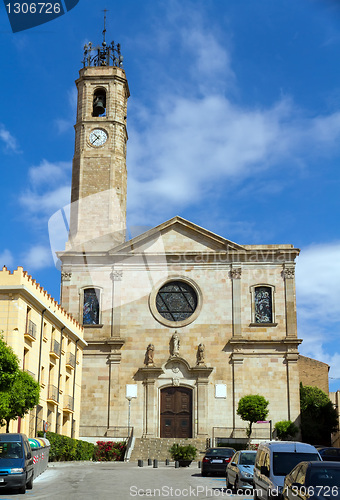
[{"x": 99, "y": 177}]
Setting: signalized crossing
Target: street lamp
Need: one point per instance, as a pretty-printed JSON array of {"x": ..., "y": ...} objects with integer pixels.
[
  {"x": 129, "y": 400},
  {"x": 131, "y": 392}
]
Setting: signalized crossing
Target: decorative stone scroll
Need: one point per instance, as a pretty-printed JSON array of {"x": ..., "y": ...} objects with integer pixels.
[
  {"x": 289, "y": 273},
  {"x": 116, "y": 275},
  {"x": 235, "y": 274},
  {"x": 66, "y": 276}
]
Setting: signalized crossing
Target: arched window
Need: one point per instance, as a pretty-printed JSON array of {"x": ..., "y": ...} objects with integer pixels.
[
  {"x": 263, "y": 304},
  {"x": 91, "y": 306}
]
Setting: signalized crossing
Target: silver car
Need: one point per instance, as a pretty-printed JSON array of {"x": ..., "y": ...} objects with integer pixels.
[{"x": 240, "y": 470}]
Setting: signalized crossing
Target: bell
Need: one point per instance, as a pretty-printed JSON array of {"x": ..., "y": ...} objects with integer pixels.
[{"x": 99, "y": 105}]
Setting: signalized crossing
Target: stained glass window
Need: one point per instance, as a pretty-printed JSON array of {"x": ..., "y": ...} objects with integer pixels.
[
  {"x": 263, "y": 304},
  {"x": 176, "y": 301},
  {"x": 91, "y": 306}
]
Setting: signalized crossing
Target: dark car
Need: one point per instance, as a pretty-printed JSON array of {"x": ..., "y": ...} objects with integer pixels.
[
  {"x": 313, "y": 480},
  {"x": 216, "y": 460},
  {"x": 240, "y": 470},
  {"x": 328, "y": 453}
]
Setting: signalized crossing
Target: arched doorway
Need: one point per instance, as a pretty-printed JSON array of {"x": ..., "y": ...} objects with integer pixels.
[{"x": 176, "y": 412}]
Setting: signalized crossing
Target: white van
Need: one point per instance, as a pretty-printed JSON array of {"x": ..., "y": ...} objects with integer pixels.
[{"x": 274, "y": 460}]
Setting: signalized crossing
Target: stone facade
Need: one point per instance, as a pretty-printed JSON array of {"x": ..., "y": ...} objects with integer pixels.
[
  {"x": 314, "y": 373},
  {"x": 241, "y": 354},
  {"x": 49, "y": 344}
]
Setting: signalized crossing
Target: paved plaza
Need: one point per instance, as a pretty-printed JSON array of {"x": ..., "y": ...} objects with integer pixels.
[{"x": 124, "y": 481}]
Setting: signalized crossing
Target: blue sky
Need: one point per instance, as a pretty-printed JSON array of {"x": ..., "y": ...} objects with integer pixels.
[{"x": 233, "y": 121}]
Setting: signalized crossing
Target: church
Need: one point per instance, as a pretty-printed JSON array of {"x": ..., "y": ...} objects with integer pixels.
[{"x": 180, "y": 322}]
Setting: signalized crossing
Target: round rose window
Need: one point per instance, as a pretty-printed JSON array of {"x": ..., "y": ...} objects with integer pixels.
[{"x": 176, "y": 301}]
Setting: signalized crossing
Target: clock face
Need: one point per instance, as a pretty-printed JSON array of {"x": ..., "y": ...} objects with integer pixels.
[{"x": 98, "y": 137}]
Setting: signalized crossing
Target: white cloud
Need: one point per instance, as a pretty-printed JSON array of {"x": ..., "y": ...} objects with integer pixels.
[
  {"x": 37, "y": 257},
  {"x": 49, "y": 189},
  {"x": 180, "y": 149},
  {"x": 318, "y": 305},
  {"x": 48, "y": 173},
  {"x": 318, "y": 282},
  {"x": 8, "y": 139},
  {"x": 191, "y": 135},
  {"x": 44, "y": 204},
  {"x": 6, "y": 259}
]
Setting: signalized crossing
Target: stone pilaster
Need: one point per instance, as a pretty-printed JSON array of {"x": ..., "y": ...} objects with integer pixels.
[
  {"x": 235, "y": 275},
  {"x": 289, "y": 277},
  {"x": 116, "y": 278},
  {"x": 149, "y": 374}
]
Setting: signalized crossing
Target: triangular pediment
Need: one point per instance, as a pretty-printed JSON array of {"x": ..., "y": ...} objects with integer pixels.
[{"x": 174, "y": 236}]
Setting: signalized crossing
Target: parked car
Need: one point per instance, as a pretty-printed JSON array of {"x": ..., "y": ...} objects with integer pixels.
[
  {"x": 274, "y": 460},
  {"x": 240, "y": 470},
  {"x": 316, "y": 480},
  {"x": 328, "y": 453},
  {"x": 16, "y": 462},
  {"x": 215, "y": 460}
]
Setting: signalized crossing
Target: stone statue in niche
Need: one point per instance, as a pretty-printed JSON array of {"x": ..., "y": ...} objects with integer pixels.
[
  {"x": 200, "y": 354},
  {"x": 150, "y": 351},
  {"x": 174, "y": 345}
]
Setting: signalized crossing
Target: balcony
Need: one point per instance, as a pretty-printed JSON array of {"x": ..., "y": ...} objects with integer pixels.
[
  {"x": 55, "y": 349},
  {"x": 68, "y": 406},
  {"x": 31, "y": 333},
  {"x": 52, "y": 394},
  {"x": 70, "y": 360}
]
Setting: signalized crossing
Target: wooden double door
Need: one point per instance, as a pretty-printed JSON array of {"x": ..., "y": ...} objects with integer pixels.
[{"x": 176, "y": 412}]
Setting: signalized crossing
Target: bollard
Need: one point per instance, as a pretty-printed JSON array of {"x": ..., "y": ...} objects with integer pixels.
[
  {"x": 149, "y": 461},
  {"x": 155, "y": 464},
  {"x": 176, "y": 464},
  {"x": 140, "y": 463},
  {"x": 167, "y": 461},
  {"x": 199, "y": 464}
]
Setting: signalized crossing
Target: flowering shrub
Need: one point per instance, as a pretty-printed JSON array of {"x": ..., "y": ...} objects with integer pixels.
[{"x": 106, "y": 451}]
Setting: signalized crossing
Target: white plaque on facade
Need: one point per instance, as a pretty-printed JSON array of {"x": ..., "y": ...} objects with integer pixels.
[
  {"x": 220, "y": 391},
  {"x": 131, "y": 390}
]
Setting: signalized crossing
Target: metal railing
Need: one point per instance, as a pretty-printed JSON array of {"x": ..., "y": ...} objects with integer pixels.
[
  {"x": 120, "y": 432},
  {"x": 71, "y": 359},
  {"x": 258, "y": 432},
  {"x": 68, "y": 403},
  {"x": 129, "y": 446},
  {"x": 55, "y": 347},
  {"x": 32, "y": 329},
  {"x": 52, "y": 393}
]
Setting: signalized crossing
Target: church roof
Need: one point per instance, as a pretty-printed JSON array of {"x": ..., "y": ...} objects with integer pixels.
[{"x": 194, "y": 237}]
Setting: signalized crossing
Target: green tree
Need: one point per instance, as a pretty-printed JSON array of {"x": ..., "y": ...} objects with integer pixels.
[
  {"x": 22, "y": 396},
  {"x": 9, "y": 365},
  {"x": 318, "y": 416},
  {"x": 252, "y": 408},
  {"x": 286, "y": 429}
]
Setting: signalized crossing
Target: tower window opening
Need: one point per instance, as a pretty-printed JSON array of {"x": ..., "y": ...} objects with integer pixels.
[{"x": 99, "y": 103}]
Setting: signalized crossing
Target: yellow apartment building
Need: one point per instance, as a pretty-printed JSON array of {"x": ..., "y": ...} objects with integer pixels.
[{"x": 49, "y": 344}]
